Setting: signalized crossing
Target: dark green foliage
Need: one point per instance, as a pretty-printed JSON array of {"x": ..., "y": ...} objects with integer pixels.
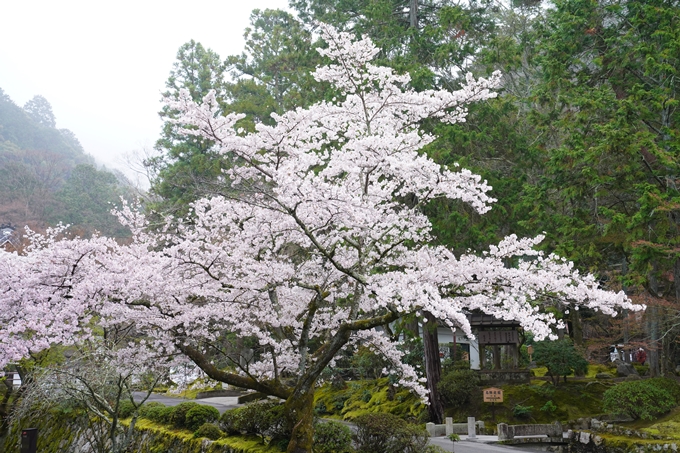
[
  {"x": 522, "y": 412},
  {"x": 260, "y": 418},
  {"x": 434, "y": 449},
  {"x": 458, "y": 388},
  {"x": 639, "y": 399},
  {"x": 668, "y": 385},
  {"x": 209, "y": 431},
  {"x": 387, "y": 433},
  {"x": 125, "y": 409},
  {"x": 156, "y": 412},
  {"x": 560, "y": 358},
  {"x": 179, "y": 413},
  {"x": 367, "y": 364},
  {"x": 332, "y": 437},
  {"x": 86, "y": 199},
  {"x": 549, "y": 407},
  {"x": 199, "y": 415},
  {"x": 147, "y": 408}
]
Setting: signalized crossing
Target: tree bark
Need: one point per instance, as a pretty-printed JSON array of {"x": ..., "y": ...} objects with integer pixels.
[
  {"x": 413, "y": 14},
  {"x": 433, "y": 368},
  {"x": 299, "y": 410},
  {"x": 576, "y": 327}
]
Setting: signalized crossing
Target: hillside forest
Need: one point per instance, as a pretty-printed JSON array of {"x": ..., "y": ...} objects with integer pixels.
[{"x": 48, "y": 178}]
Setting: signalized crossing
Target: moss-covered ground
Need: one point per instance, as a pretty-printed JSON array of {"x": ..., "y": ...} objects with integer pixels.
[
  {"x": 361, "y": 397},
  {"x": 537, "y": 402}
]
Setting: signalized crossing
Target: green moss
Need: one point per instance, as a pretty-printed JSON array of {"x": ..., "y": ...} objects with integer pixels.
[
  {"x": 247, "y": 444},
  {"x": 363, "y": 397},
  {"x": 540, "y": 371}
]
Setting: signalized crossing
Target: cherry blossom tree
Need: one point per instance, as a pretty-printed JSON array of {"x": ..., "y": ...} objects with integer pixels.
[{"x": 322, "y": 244}]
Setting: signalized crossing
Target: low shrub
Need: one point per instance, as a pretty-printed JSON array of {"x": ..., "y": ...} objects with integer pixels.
[
  {"x": 434, "y": 449},
  {"x": 125, "y": 409},
  {"x": 145, "y": 408},
  {"x": 669, "y": 385},
  {"x": 639, "y": 399},
  {"x": 179, "y": 412},
  {"x": 519, "y": 411},
  {"x": 260, "y": 418},
  {"x": 229, "y": 421},
  {"x": 157, "y": 413},
  {"x": 458, "y": 387},
  {"x": 199, "y": 415},
  {"x": 332, "y": 437},
  {"x": 549, "y": 407},
  {"x": 387, "y": 433},
  {"x": 209, "y": 431}
]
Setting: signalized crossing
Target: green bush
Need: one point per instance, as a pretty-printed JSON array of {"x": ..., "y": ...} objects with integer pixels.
[
  {"x": 229, "y": 421},
  {"x": 519, "y": 411},
  {"x": 125, "y": 409},
  {"x": 199, "y": 415},
  {"x": 260, "y": 418},
  {"x": 209, "y": 430},
  {"x": 434, "y": 449},
  {"x": 458, "y": 387},
  {"x": 549, "y": 407},
  {"x": 179, "y": 412},
  {"x": 639, "y": 399},
  {"x": 157, "y": 413},
  {"x": 387, "y": 433},
  {"x": 146, "y": 408},
  {"x": 332, "y": 437},
  {"x": 669, "y": 385}
]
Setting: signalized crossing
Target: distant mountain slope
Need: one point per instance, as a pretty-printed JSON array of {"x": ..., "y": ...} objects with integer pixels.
[
  {"x": 18, "y": 128},
  {"x": 46, "y": 176}
]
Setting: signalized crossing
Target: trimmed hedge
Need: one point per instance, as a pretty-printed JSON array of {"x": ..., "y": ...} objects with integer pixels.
[
  {"x": 332, "y": 437},
  {"x": 387, "y": 433},
  {"x": 209, "y": 431},
  {"x": 179, "y": 412},
  {"x": 260, "y": 418},
  {"x": 199, "y": 415}
]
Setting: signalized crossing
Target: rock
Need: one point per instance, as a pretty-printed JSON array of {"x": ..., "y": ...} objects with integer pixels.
[
  {"x": 604, "y": 376},
  {"x": 624, "y": 369},
  {"x": 584, "y": 438},
  {"x": 597, "y": 440},
  {"x": 595, "y": 424},
  {"x": 633, "y": 377}
]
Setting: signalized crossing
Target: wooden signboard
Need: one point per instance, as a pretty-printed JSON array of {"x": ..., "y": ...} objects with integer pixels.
[{"x": 493, "y": 395}]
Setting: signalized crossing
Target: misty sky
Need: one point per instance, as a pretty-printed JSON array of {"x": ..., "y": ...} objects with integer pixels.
[{"x": 102, "y": 65}]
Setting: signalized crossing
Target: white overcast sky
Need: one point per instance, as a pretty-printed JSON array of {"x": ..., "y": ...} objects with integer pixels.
[{"x": 102, "y": 65}]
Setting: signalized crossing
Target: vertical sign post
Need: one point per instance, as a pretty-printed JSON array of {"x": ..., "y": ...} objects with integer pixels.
[{"x": 493, "y": 395}]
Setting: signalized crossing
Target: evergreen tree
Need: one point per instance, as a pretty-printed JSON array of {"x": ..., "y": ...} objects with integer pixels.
[{"x": 186, "y": 171}]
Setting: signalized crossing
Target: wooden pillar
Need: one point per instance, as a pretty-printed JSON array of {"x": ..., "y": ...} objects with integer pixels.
[
  {"x": 496, "y": 357},
  {"x": 481, "y": 355}
]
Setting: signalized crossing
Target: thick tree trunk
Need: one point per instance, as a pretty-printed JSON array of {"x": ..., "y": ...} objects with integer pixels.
[
  {"x": 653, "y": 329},
  {"x": 576, "y": 327},
  {"x": 433, "y": 368},
  {"x": 413, "y": 13},
  {"x": 299, "y": 410}
]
